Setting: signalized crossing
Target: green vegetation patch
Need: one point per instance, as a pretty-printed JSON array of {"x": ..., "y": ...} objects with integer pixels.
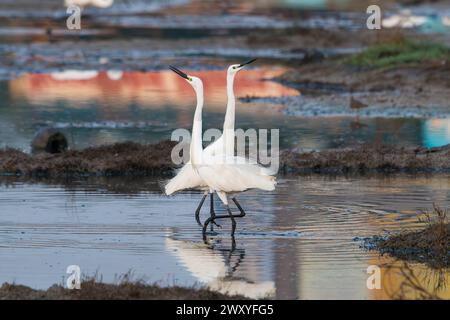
[{"x": 392, "y": 54}]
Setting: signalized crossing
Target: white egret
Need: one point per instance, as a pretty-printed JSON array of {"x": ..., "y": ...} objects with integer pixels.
[
  {"x": 225, "y": 143},
  {"x": 221, "y": 173},
  {"x": 187, "y": 178}
]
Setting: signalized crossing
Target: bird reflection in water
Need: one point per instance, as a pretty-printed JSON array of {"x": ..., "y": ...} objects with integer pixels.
[{"x": 217, "y": 268}]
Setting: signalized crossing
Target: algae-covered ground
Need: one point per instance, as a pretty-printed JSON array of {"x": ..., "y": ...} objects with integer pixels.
[{"x": 399, "y": 52}]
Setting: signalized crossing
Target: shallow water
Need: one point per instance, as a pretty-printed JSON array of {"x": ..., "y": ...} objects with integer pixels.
[
  {"x": 146, "y": 107},
  {"x": 296, "y": 242}
]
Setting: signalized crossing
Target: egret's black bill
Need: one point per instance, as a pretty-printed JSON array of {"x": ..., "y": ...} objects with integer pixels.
[
  {"x": 248, "y": 62},
  {"x": 179, "y": 72}
]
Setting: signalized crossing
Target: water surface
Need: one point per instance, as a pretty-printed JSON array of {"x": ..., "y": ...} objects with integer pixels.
[
  {"x": 296, "y": 242},
  {"x": 116, "y": 106}
]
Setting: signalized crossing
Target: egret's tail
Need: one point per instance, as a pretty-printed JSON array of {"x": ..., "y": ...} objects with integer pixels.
[
  {"x": 261, "y": 177},
  {"x": 175, "y": 184},
  {"x": 267, "y": 183},
  {"x": 171, "y": 187},
  {"x": 186, "y": 178}
]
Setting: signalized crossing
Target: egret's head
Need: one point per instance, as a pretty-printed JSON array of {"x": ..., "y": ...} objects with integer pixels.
[
  {"x": 195, "y": 82},
  {"x": 234, "y": 68}
]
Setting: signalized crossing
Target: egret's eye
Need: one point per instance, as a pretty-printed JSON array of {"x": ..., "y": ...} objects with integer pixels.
[
  {"x": 234, "y": 67},
  {"x": 190, "y": 79}
]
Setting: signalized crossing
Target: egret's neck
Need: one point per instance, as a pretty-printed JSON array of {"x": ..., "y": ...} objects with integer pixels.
[
  {"x": 228, "y": 124},
  {"x": 196, "y": 148},
  {"x": 231, "y": 103}
]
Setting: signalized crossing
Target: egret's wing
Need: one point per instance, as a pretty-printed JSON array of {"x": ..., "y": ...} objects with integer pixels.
[
  {"x": 229, "y": 175},
  {"x": 216, "y": 150},
  {"x": 241, "y": 163},
  {"x": 186, "y": 178},
  {"x": 250, "y": 165}
]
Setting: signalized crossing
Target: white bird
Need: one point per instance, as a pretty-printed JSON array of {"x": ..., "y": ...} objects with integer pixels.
[
  {"x": 187, "y": 177},
  {"x": 86, "y": 3},
  {"x": 222, "y": 173}
]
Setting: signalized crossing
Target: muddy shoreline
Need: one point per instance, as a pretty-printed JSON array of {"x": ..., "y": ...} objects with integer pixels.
[
  {"x": 120, "y": 159},
  {"x": 404, "y": 91},
  {"x": 429, "y": 245},
  {"x": 397, "y": 76},
  {"x": 92, "y": 290},
  {"x": 132, "y": 159}
]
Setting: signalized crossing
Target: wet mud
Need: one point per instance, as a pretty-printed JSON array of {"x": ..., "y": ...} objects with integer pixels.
[
  {"x": 133, "y": 159},
  {"x": 113, "y": 160},
  {"x": 93, "y": 290},
  {"x": 429, "y": 245},
  {"x": 367, "y": 159},
  {"x": 407, "y": 90}
]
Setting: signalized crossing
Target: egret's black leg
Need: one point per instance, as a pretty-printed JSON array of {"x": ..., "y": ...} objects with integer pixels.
[
  {"x": 233, "y": 222},
  {"x": 227, "y": 216},
  {"x": 239, "y": 207},
  {"x": 213, "y": 213},
  {"x": 197, "y": 212},
  {"x": 233, "y": 244}
]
